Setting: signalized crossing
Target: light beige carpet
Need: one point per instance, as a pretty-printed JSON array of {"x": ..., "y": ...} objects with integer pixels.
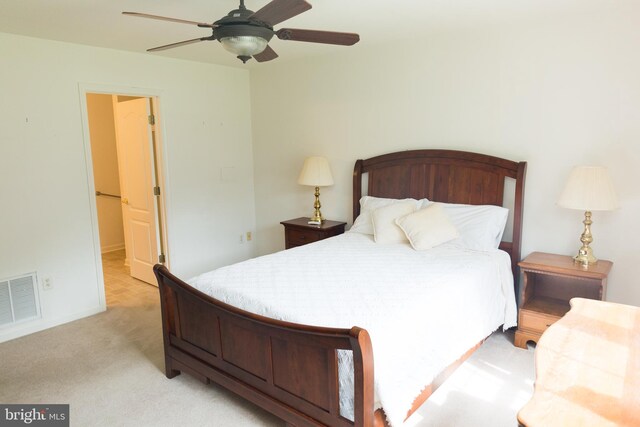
[{"x": 109, "y": 368}]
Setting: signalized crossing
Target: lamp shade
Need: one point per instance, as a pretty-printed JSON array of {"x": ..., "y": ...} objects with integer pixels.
[
  {"x": 315, "y": 172},
  {"x": 589, "y": 188}
]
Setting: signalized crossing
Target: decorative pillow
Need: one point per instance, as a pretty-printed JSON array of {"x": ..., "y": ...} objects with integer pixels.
[
  {"x": 385, "y": 229},
  {"x": 480, "y": 226},
  {"x": 368, "y": 204},
  {"x": 428, "y": 227}
]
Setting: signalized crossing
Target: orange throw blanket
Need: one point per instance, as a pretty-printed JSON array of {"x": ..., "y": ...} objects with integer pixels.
[{"x": 588, "y": 368}]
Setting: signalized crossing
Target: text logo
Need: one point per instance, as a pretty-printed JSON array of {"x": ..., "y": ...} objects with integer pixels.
[{"x": 54, "y": 415}]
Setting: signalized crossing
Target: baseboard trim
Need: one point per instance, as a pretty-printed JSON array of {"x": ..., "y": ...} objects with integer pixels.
[
  {"x": 42, "y": 324},
  {"x": 112, "y": 248}
]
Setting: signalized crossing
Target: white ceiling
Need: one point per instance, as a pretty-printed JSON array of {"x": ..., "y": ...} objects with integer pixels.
[{"x": 100, "y": 22}]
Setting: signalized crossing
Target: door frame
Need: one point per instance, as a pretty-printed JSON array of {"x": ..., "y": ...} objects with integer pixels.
[{"x": 160, "y": 167}]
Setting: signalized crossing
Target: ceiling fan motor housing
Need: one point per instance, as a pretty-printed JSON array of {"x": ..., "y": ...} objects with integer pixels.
[
  {"x": 236, "y": 30},
  {"x": 237, "y": 23}
]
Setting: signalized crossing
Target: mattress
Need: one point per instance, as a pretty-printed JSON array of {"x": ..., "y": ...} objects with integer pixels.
[{"x": 423, "y": 309}]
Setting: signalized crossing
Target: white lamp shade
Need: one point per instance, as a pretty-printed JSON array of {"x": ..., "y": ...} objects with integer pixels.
[
  {"x": 589, "y": 188},
  {"x": 315, "y": 172}
]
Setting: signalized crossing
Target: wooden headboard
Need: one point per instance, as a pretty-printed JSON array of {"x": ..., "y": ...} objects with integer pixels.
[{"x": 445, "y": 176}]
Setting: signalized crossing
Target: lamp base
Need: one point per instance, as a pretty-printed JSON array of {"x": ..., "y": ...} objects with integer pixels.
[
  {"x": 585, "y": 255},
  {"x": 317, "y": 215}
]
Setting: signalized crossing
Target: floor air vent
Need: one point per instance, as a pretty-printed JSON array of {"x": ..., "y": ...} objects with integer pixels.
[{"x": 18, "y": 299}]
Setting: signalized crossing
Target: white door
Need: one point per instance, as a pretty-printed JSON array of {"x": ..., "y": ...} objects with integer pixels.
[{"x": 135, "y": 161}]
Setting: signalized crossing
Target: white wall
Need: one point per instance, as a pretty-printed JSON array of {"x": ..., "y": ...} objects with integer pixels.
[
  {"x": 102, "y": 133},
  {"x": 555, "y": 93},
  {"x": 46, "y": 220}
]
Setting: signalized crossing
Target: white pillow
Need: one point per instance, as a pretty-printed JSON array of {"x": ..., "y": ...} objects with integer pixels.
[
  {"x": 385, "y": 229},
  {"x": 368, "y": 204},
  {"x": 428, "y": 227},
  {"x": 480, "y": 226}
]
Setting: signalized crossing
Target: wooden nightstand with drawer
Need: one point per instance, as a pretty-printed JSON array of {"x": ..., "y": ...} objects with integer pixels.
[
  {"x": 550, "y": 281},
  {"x": 298, "y": 232}
]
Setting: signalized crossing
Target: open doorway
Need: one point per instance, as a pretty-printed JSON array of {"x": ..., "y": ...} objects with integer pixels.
[{"x": 127, "y": 175}]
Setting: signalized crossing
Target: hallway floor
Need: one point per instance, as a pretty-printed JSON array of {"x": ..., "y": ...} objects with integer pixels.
[{"x": 121, "y": 289}]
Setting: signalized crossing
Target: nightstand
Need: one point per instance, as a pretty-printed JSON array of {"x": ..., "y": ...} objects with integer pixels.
[
  {"x": 298, "y": 232},
  {"x": 550, "y": 281}
]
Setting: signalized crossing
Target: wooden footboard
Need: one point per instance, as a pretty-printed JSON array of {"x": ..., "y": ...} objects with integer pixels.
[{"x": 288, "y": 369}]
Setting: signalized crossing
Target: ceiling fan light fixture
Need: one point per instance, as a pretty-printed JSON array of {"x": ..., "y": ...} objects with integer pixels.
[
  {"x": 243, "y": 40},
  {"x": 244, "y": 45}
]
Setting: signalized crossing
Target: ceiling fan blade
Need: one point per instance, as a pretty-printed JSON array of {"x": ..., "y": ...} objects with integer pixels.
[
  {"x": 280, "y": 10},
  {"x": 266, "y": 55},
  {"x": 182, "y": 43},
  {"x": 314, "y": 36},
  {"x": 164, "y": 18}
]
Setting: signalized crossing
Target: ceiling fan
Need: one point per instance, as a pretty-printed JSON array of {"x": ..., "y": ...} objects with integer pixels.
[{"x": 247, "y": 33}]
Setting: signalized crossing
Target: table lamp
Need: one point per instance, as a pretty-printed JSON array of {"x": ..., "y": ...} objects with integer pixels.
[
  {"x": 589, "y": 188},
  {"x": 316, "y": 173}
]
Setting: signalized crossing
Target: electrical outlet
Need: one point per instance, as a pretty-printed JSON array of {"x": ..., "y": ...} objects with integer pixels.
[
  {"x": 248, "y": 236},
  {"x": 241, "y": 239},
  {"x": 47, "y": 283}
]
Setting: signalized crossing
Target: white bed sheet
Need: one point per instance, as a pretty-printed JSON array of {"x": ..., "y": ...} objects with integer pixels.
[{"x": 422, "y": 309}]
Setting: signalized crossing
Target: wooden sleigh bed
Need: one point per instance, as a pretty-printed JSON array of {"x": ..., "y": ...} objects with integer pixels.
[{"x": 291, "y": 370}]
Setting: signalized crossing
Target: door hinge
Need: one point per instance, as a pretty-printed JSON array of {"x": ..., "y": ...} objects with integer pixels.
[
  {"x": 161, "y": 259},
  {"x": 156, "y": 191},
  {"x": 152, "y": 119}
]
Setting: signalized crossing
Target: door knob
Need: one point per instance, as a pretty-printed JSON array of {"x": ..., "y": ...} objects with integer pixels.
[{"x": 125, "y": 201}]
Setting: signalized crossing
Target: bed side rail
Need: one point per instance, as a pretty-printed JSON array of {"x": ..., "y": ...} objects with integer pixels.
[{"x": 291, "y": 370}]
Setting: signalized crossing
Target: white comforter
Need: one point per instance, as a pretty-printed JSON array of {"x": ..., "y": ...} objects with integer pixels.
[{"x": 422, "y": 309}]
